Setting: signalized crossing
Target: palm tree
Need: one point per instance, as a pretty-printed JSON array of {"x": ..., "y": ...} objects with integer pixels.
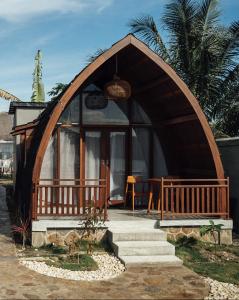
[
  {"x": 7, "y": 96},
  {"x": 38, "y": 94},
  {"x": 58, "y": 89},
  {"x": 203, "y": 52}
]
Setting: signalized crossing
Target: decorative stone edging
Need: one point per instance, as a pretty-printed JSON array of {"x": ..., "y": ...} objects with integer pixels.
[
  {"x": 109, "y": 267},
  {"x": 221, "y": 290}
]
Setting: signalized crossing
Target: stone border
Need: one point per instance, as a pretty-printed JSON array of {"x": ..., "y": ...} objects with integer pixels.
[{"x": 109, "y": 267}]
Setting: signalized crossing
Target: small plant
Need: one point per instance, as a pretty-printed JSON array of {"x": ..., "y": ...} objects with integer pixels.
[
  {"x": 212, "y": 229},
  {"x": 22, "y": 229},
  {"x": 94, "y": 219},
  {"x": 185, "y": 241}
]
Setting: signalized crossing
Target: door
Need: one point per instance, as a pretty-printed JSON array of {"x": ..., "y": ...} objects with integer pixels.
[{"x": 105, "y": 158}]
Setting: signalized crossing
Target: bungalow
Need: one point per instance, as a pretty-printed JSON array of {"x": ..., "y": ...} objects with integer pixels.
[{"x": 126, "y": 114}]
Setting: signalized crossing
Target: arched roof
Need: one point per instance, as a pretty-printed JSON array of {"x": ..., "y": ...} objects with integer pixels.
[{"x": 176, "y": 115}]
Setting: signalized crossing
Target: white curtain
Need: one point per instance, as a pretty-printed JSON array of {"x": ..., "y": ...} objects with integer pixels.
[
  {"x": 69, "y": 154},
  {"x": 48, "y": 164},
  {"x": 47, "y": 172},
  {"x": 92, "y": 160},
  {"x": 117, "y": 165},
  {"x": 69, "y": 163}
]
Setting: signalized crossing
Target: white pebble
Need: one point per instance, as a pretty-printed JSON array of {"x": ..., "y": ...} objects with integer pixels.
[
  {"x": 221, "y": 290},
  {"x": 109, "y": 267}
]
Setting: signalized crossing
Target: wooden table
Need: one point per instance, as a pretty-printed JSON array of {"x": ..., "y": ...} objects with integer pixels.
[{"x": 152, "y": 182}]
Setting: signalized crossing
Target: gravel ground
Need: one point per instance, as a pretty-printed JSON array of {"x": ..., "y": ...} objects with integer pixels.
[
  {"x": 109, "y": 267},
  {"x": 221, "y": 290}
]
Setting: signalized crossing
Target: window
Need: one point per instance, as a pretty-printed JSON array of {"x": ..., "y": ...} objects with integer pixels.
[
  {"x": 108, "y": 111},
  {"x": 71, "y": 114}
]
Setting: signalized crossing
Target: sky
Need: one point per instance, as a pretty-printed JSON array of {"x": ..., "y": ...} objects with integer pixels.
[{"x": 67, "y": 32}]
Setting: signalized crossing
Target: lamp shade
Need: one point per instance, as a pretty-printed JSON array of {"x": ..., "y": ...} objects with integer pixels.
[{"x": 117, "y": 89}]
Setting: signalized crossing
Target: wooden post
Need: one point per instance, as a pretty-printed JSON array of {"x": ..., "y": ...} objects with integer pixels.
[{"x": 162, "y": 197}]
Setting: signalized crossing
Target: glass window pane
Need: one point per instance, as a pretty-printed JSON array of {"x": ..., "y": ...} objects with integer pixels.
[
  {"x": 109, "y": 112},
  {"x": 160, "y": 167},
  {"x": 70, "y": 153},
  {"x": 140, "y": 159},
  {"x": 48, "y": 169},
  {"x": 92, "y": 155},
  {"x": 139, "y": 116},
  {"x": 117, "y": 165},
  {"x": 71, "y": 114}
]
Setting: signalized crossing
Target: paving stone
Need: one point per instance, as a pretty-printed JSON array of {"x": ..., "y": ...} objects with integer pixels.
[{"x": 138, "y": 282}]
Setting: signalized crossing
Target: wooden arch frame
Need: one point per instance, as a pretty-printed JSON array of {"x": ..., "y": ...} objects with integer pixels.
[{"x": 90, "y": 69}]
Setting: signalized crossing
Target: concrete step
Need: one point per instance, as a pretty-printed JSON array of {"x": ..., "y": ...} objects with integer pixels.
[
  {"x": 165, "y": 260},
  {"x": 134, "y": 234},
  {"x": 143, "y": 248}
]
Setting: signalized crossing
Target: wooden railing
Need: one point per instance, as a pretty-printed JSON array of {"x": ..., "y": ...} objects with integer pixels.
[
  {"x": 69, "y": 197},
  {"x": 194, "y": 197}
]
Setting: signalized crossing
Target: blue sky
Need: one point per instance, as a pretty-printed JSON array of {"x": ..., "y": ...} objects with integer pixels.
[{"x": 67, "y": 32}]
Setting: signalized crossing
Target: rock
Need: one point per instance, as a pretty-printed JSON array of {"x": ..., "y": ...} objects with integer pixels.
[
  {"x": 56, "y": 239},
  {"x": 109, "y": 267},
  {"x": 221, "y": 290}
]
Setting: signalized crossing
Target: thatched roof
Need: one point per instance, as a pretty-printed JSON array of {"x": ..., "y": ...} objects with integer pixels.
[{"x": 6, "y": 124}]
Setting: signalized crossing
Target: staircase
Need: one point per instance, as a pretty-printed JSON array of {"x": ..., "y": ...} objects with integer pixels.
[{"x": 140, "y": 242}]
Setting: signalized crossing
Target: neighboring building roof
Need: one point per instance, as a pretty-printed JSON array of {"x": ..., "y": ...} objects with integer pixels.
[
  {"x": 6, "y": 123},
  {"x": 15, "y": 104}
]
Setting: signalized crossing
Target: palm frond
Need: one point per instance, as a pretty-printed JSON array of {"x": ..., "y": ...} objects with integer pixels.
[
  {"x": 178, "y": 20},
  {"x": 95, "y": 55},
  {"x": 8, "y": 96},
  {"x": 145, "y": 28},
  {"x": 207, "y": 16},
  {"x": 229, "y": 49}
]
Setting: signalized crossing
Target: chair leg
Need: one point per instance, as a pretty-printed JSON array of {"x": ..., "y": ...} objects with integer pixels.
[{"x": 133, "y": 195}]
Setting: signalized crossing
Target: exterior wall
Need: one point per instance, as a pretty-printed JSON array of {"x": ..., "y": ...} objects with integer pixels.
[
  {"x": 22, "y": 116},
  {"x": 229, "y": 150},
  {"x": 61, "y": 237},
  {"x": 174, "y": 233}
]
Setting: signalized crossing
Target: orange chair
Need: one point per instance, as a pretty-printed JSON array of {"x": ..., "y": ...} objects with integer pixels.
[{"x": 132, "y": 181}]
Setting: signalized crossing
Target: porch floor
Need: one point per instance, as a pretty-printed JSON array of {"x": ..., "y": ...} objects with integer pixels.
[{"x": 141, "y": 215}]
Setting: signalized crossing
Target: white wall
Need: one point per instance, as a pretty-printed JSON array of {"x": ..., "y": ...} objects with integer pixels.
[{"x": 229, "y": 150}]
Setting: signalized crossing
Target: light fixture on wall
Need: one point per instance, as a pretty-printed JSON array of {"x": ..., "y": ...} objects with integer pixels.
[{"x": 117, "y": 89}]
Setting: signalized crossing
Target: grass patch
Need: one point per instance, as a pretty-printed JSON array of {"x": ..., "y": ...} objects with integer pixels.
[
  {"x": 101, "y": 246},
  {"x": 86, "y": 263},
  {"x": 222, "y": 265},
  {"x": 54, "y": 249}
]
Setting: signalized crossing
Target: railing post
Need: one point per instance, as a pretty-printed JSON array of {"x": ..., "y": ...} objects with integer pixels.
[{"x": 162, "y": 197}]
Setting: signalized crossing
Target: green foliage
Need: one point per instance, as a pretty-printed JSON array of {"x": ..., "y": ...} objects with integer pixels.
[
  {"x": 186, "y": 242},
  {"x": 91, "y": 224},
  {"x": 75, "y": 263},
  {"x": 38, "y": 94},
  {"x": 203, "y": 52},
  {"x": 95, "y": 55},
  {"x": 54, "y": 249},
  {"x": 58, "y": 89},
  {"x": 212, "y": 229},
  {"x": 198, "y": 259}
]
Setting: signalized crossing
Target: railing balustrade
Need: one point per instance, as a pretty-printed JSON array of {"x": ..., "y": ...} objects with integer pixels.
[
  {"x": 194, "y": 197},
  {"x": 69, "y": 197}
]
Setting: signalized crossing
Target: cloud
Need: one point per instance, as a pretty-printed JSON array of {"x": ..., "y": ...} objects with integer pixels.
[{"x": 22, "y": 10}]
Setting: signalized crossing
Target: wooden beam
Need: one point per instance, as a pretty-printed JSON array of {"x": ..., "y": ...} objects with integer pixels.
[
  {"x": 151, "y": 84},
  {"x": 178, "y": 120}
]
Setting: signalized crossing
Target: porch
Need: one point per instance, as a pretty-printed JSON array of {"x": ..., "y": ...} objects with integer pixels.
[{"x": 174, "y": 199}]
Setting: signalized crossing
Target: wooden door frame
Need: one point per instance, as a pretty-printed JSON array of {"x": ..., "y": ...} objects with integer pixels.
[{"x": 105, "y": 153}]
